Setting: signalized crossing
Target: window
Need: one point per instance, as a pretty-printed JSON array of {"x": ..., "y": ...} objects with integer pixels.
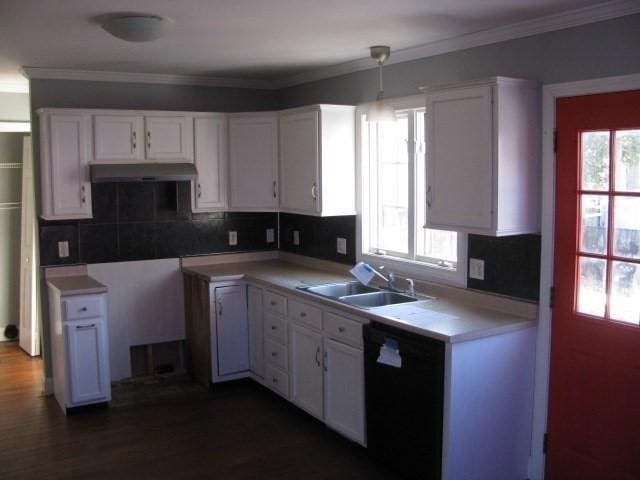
[
  {"x": 609, "y": 240},
  {"x": 393, "y": 203}
]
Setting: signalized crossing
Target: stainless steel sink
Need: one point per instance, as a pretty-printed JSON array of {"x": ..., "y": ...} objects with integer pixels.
[
  {"x": 377, "y": 299},
  {"x": 337, "y": 290}
]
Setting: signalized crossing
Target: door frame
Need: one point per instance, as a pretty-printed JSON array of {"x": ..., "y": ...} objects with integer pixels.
[{"x": 550, "y": 93}]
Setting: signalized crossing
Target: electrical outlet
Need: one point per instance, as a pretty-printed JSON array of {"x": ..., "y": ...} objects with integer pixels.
[
  {"x": 233, "y": 238},
  {"x": 342, "y": 245},
  {"x": 296, "y": 237},
  {"x": 271, "y": 235},
  {"x": 63, "y": 249},
  {"x": 476, "y": 268}
]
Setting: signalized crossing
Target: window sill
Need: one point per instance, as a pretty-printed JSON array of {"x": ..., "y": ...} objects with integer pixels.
[{"x": 418, "y": 270}]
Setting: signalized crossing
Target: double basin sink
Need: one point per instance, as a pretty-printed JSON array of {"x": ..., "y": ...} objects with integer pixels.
[{"x": 359, "y": 295}]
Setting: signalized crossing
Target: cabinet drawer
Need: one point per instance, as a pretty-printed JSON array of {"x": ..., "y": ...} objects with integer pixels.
[
  {"x": 275, "y": 327},
  {"x": 277, "y": 380},
  {"x": 82, "y": 307},
  {"x": 274, "y": 302},
  {"x": 342, "y": 329},
  {"x": 276, "y": 354},
  {"x": 305, "y": 313}
]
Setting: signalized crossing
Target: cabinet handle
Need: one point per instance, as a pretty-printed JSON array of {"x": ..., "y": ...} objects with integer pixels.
[
  {"x": 83, "y": 309},
  {"x": 317, "y": 354},
  {"x": 274, "y": 380},
  {"x": 324, "y": 362},
  {"x": 134, "y": 142},
  {"x": 429, "y": 195},
  {"x": 313, "y": 191},
  {"x": 272, "y": 303},
  {"x": 274, "y": 354},
  {"x": 273, "y": 327},
  {"x": 84, "y": 327},
  {"x": 341, "y": 329},
  {"x": 199, "y": 190},
  {"x": 83, "y": 197},
  {"x": 303, "y": 314},
  {"x": 220, "y": 308},
  {"x": 149, "y": 139},
  {"x": 274, "y": 189}
]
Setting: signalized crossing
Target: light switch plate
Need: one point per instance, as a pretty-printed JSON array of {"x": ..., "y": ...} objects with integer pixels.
[
  {"x": 271, "y": 235},
  {"x": 63, "y": 249},
  {"x": 233, "y": 238},
  {"x": 342, "y": 245},
  {"x": 476, "y": 268},
  {"x": 296, "y": 237}
]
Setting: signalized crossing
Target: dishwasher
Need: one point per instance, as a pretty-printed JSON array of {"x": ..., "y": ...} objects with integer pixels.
[{"x": 404, "y": 384}]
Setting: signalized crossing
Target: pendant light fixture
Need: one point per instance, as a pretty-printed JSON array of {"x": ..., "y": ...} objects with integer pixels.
[{"x": 380, "y": 110}]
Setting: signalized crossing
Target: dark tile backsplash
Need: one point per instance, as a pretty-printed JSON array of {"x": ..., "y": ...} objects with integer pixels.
[
  {"x": 318, "y": 236},
  {"x": 142, "y": 221},
  {"x": 511, "y": 265}
]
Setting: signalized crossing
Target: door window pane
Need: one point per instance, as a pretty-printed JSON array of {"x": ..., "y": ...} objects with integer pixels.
[
  {"x": 595, "y": 161},
  {"x": 625, "y": 292},
  {"x": 628, "y": 161},
  {"x": 594, "y": 222},
  {"x": 626, "y": 227},
  {"x": 592, "y": 286}
]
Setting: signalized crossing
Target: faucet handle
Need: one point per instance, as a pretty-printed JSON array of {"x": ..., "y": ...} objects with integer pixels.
[{"x": 412, "y": 287}]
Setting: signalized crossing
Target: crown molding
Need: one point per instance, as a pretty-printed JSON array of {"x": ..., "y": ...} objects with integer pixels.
[
  {"x": 156, "y": 78},
  {"x": 574, "y": 18}
]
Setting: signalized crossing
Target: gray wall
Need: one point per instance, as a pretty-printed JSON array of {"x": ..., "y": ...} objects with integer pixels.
[
  {"x": 591, "y": 51},
  {"x": 10, "y": 187},
  {"x": 14, "y": 107}
]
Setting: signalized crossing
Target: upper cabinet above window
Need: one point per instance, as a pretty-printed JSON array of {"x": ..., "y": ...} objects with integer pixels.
[
  {"x": 483, "y": 169},
  {"x": 124, "y": 138}
]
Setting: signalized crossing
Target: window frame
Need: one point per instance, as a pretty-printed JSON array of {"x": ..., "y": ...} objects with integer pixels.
[{"x": 403, "y": 266}]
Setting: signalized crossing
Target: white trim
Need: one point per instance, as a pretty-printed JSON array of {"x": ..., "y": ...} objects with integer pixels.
[
  {"x": 12, "y": 126},
  {"x": 550, "y": 93},
  {"x": 14, "y": 87},
  {"x": 574, "y": 18},
  {"x": 155, "y": 78}
]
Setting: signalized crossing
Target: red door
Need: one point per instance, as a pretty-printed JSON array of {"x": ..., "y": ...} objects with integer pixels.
[{"x": 594, "y": 403}]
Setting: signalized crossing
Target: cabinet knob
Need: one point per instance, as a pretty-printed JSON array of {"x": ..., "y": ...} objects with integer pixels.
[
  {"x": 273, "y": 327},
  {"x": 274, "y": 380},
  {"x": 341, "y": 329},
  {"x": 272, "y": 303},
  {"x": 274, "y": 354},
  {"x": 303, "y": 314},
  {"x": 314, "y": 193}
]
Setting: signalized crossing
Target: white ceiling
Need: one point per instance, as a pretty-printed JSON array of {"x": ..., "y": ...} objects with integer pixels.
[{"x": 250, "y": 39}]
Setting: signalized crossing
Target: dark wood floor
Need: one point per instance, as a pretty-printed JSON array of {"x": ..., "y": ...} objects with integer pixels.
[{"x": 239, "y": 431}]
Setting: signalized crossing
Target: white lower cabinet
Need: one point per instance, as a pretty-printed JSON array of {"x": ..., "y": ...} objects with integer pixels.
[
  {"x": 305, "y": 369},
  {"x": 256, "y": 331},
  {"x": 80, "y": 349},
  {"x": 231, "y": 331},
  {"x": 344, "y": 389},
  {"x": 87, "y": 356}
]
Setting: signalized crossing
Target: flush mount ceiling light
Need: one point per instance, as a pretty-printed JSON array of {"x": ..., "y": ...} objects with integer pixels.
[
  {"x": 137, "y": 27},
  {"x": 380, "y": 110}
]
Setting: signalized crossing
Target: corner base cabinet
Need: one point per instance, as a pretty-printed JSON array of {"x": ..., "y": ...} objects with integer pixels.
[
  {"x": 80, "y": 349},
  {"x": 483, "y": 167}
]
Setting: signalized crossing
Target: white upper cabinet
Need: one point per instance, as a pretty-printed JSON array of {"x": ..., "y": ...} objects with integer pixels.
[
  {"x": 483, "y": 172},
  {"x": 209, "y": 191},
  {"x": 169, "y": 138},
  {"x": 253, "y": 161},
  {"x": 118, "y": 138},
  {"x": 130, "y": 137},
  {"x": 317, "y": 160},
  {"x": 64, "y": 150}
]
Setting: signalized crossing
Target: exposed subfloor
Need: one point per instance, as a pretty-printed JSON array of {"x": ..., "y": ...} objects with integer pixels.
[{"x": 236, "y": 431}]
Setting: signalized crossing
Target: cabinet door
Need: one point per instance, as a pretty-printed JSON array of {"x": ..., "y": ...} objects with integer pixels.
[
  {"x": 459, "y": 125},
  {"x": 208, "y": 192},
  {"x": 344, "y": 390},
  {"x": 299, "y": 163},
  {"x": 232, "y": 330},
  {"x": 88, "y": 361},
  {"x": 305, "y": 369},
  {"x": 253, "y": 163},
  {"x": 256, "y": 337},
  {"x": 67, "y": 191},
  {"x": 117, "y": 138},
  {"x": 169, "y": 138}
]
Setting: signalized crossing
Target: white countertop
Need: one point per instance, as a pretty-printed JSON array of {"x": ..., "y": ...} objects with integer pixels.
[
  {"x": 450, "y": 319},
  {"x": 76, "y": 285}
]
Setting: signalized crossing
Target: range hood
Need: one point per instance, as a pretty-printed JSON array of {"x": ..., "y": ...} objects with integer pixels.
[{"x": 143, "y": 172}]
